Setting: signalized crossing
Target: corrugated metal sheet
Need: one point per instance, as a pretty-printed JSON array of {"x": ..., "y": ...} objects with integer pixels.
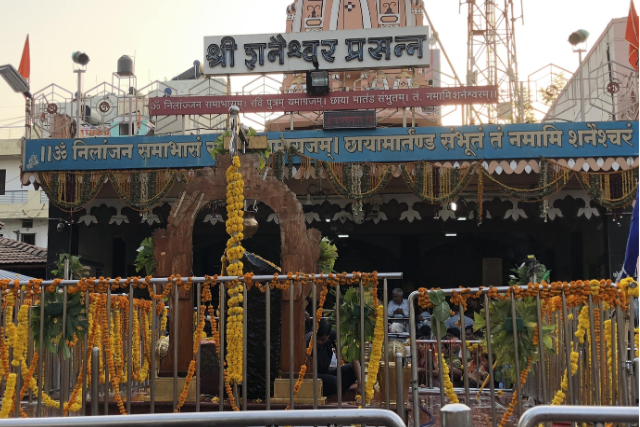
[{"x": 4, "y": 274}]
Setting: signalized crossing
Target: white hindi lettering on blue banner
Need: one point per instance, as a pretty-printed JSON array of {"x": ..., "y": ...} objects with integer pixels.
[{"x": 517, "y": 141}]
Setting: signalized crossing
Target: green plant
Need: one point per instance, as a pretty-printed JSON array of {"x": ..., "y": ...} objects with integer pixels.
[
  {"x": 75, "y": 267},
  {"x": 350, "y": 322},
  {"x": 76, "y": 322},
  {"x": 218, "y": 148},
  {"x": 328, "y": 256},
  {"x": 526, "y": 270},
  {"x": 502, "y": 340},
  {"x": 441, "y": 311},
  {"x": 146, "y": 259}
]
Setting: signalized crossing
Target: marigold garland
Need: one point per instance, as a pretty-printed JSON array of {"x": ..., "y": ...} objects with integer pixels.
[
  {"x": 376, "y": 354},
  {"x": 7, "y": 399},
  {"x": 514, "y": 398},
  {"x": 448, "y": 385}
]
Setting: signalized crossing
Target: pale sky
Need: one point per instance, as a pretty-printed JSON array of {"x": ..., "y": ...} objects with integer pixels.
[{"x": 167, "y": 36}]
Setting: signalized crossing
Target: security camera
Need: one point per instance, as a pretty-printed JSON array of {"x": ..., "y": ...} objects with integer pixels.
[{"x": 60, "y": 226}]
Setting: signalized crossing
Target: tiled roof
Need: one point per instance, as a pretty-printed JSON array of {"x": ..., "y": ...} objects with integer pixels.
[
  {"x": 4, "y": 274},
  {"x": 14, "y": 252}
]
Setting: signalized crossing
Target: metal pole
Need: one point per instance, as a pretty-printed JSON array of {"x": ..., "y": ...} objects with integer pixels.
[
  {"x": 465, "y": 373},
  {"x": 268, "y": 344},
  {"x": 291, "y": 365},
  {"x": 400, "y": 387},
  {"x": 95, "y": 380},
  {"x": 541, "y": 349},
  {"x": 594, "y": 353},
  {"x": 339, "y": 346},
  {"x": 494, "y": 420},
  {"x": 85, "y": 365},
  {"x": 429, "y": 369},
  {"x": 521, "y": 102},
  {"x": 604, "y": 375},
  {"x": 590, "y": 414},
  {"x": 514, "y": 324},
  {"x": 174, "y": 339},
  {"x": 362, "y": 340},
  {"x": 385, "y": 298},
  {"x": 582, "y": 115},
  {"x": 314, "y": 305},
  {"x": 414, "y": 359},
  {"x": 567, "y": 346},
  {"x": 244, "y": 348},
  {"x": 63, "y": 363},
  {"x": 152, "y": 376},
  {"x": 105, "y": 359},
  {"x": 440, "y": 362},
  {"x": 456, "y": 415},
  {"x": 221, "y": 347},
  {"x": 227, "y": 419},
  {"x": 130, "y": 351},
  {"x": 40, "y": 354},
  {"x": 199, "y": 313},
  {"x": 614, "y": 376},
  {"x": 78, "y": 105},
  {"x": 622, "y": 346}
]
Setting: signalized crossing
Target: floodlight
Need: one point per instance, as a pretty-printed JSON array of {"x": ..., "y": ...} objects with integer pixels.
[
  {"x": 318, "y": 82},
  {"x": 578, "y": 37},
  {"x": 14, "y": 79},
  {"x": 80, "y": 58}
]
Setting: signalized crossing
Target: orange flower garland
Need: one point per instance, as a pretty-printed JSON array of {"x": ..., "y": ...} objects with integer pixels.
[{"x": 514, "y": 398}]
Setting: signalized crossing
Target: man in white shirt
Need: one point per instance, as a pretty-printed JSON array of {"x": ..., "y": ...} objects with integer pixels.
[{"x": 398, "y": 306}]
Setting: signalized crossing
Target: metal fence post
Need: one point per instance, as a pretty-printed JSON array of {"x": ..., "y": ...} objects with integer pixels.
[
  {"x": 399, "y": 386},
  {"x": 456, "y": 415},
  {"x": 95, "y": 380}
]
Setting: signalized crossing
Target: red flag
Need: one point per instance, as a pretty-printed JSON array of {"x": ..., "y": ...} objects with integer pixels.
[
  {"x": 631, "y": 35},
  {"x": 25, "y": 62}
]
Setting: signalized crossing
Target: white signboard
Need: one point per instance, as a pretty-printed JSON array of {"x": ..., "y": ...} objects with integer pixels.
[{"x": 396, "y": 47}]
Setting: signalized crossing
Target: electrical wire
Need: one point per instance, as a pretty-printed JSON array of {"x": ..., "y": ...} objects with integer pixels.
[{"x": 426, "y": 411}]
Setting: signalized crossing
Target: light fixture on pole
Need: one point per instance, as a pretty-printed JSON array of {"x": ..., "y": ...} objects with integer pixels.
[
  {"x": 81, "y": 59},
  {"x": 318, "y": 80},
  {"x": 14, "y": 80},
  {"x": 576, "y": 38}
]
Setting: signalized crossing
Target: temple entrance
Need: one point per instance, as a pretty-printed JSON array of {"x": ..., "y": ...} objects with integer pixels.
[{"x": 174, "y": 250}]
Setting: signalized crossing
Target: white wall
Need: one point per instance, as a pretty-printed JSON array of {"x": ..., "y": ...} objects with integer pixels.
[
  {"x": 39, "y": 228},
  {"x": 12, "y": 214},
  {"x": 606, "y": 61}
]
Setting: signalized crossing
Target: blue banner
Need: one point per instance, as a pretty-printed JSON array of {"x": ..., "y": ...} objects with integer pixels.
[{"x": 517, "y": 141}]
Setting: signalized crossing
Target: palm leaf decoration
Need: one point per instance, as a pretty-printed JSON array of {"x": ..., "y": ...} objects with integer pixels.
[
  {"x": 146, "y": 259},
  {"x": 328, "y": 256},
  {"x": 76, "y": 322},
  {"x": 502, "y": 340}
]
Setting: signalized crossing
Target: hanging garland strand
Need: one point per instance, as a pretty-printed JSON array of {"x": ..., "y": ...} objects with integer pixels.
[
  {"x": 70, "y": 191},
  {"x": 553, "y": 178},
  {"x": 599, "y": 187},
  {"x": 436, "y": 185},
  {"x": 142, "y": 190},
  {"x": 355, "y": 182}
]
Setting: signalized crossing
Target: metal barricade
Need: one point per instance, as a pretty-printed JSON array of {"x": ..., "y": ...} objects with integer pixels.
[
  {"x": 378, "y": 417},
  {"x": 587, "y": 414}
]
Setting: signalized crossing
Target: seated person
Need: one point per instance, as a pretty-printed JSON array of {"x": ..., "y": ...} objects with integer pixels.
[
  {"x": 399, "y": 306},
  {"x": 424, "y": 319},
  {"x": 325, "y": 339},
  {"x": 452, "y": 322},
  {"x": 452, "y": 356},
  {"x": 477, "y": 375}
]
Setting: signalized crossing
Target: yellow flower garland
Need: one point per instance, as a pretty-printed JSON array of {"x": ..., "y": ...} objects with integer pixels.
[
  {"x": 21, "y": 335},
  {"x": 376, "y": 353},
  {"x": 233, "y": 253},
  {"x": 583, "y": 324},
  {"x": 135, "y": 348},
  {"x": 448, "y": 385},
  {"x": 235, "y": 333},
  {"x": 7, "y": 399}
]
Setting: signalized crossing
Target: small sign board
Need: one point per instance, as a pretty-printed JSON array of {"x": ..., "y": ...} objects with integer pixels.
[
  {"x": 356, "y": 119},
  {"x": 390, "y": 47}
]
